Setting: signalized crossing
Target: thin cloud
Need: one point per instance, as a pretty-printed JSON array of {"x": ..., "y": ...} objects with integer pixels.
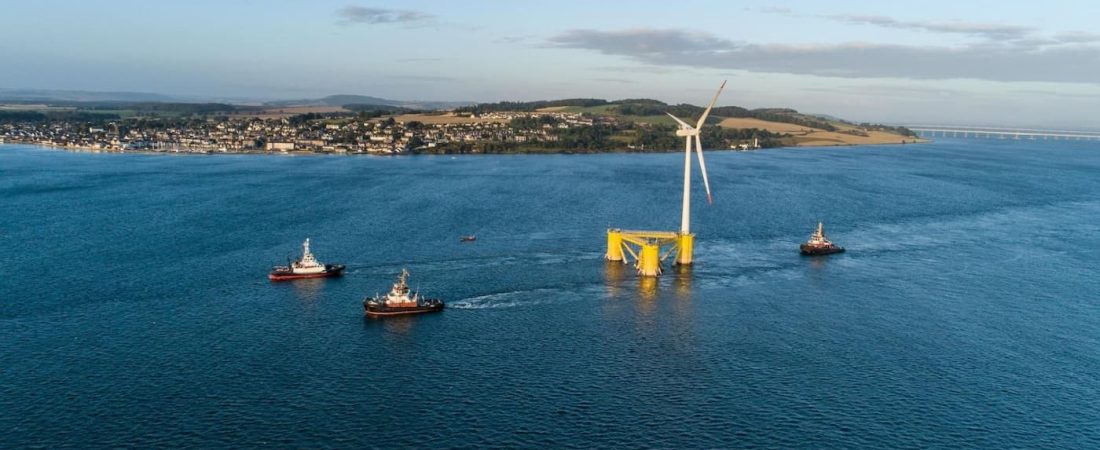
[
  {"x": 985, "y": 30},
  {"x": 1051, "y": 93},
  {"x": 894, "y": 90},
  {"x": 670, "y": 47},
  {"x": 640, "y": 41},
  {"x": 430, "y": 78},
  {"x": 428, "y": 59},
  {"x": 365, "y": 15},
  {"x": 1077, "y": 37},
  {"x": 993, "y": 33},
  {"x": 772, "y": 10},
  {"x": 616, "y": 80},
  {"x": 656, "y": 70}
]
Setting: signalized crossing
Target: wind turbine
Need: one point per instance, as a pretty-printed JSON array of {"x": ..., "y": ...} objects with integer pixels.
[
  {"x": 649, "y": 243},
  {"x": 689, "y": 132}
]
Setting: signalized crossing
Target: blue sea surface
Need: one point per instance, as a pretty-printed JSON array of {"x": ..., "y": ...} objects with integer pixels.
[{"x": 135, "y": 311}]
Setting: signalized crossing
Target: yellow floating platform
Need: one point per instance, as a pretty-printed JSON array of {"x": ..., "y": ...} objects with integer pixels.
[{"x": 646, "y": 248}]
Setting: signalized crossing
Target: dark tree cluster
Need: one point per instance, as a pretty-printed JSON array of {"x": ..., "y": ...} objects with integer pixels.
[{"x": 889, "y": 129}]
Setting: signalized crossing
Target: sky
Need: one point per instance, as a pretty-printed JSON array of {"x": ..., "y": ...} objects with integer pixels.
[{"x": 1030, "y": 64}]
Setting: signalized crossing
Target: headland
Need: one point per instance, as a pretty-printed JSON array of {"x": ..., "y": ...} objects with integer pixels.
[{"x": 559, "y": 126}]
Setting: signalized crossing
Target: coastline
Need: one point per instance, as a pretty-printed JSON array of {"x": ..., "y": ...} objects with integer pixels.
[
  {"x": 815, "y": 144},
  {"x": 540, "y": 151}
]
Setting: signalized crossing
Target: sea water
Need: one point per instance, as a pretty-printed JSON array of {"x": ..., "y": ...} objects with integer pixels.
[{"x": 135, "y": 309}]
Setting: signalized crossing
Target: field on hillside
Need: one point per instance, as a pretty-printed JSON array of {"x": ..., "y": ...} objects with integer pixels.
[
  {"x": 282, "y": 112},
  {"x": 609, "y": 110},
  {"x": 774, "y": 127},
  {"x": 800, "y": 135},
  {"x": 33, "y": 107},
  {"x": 46, "y": 109},
  {"x": 442, "y": 119},
  {"x": 804, "y": 136}
]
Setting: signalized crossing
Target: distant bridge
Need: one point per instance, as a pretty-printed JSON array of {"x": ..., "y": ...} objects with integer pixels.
[{"x": 933, "y": 131}]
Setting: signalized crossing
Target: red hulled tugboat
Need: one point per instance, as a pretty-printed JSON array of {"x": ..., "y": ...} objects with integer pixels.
[
  {"x": 819, "y": 244},
  {"x": 307, "y": 267},
  {"x": 398, "y": 301}
]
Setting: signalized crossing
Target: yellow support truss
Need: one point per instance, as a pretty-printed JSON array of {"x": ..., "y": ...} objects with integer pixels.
[{"x": 645, "y": 248}]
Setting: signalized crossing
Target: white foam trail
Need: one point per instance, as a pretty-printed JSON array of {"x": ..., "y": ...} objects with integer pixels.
[
  {"x": 505, "y": 299},
  {"x": 519, "y": 298}
]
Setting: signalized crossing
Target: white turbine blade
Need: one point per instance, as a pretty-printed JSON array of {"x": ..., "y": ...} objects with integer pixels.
[
  {"x": 681, "y": 122},
  {"x": 712, "y": 102},
  {"x": 703, "y": 167}
]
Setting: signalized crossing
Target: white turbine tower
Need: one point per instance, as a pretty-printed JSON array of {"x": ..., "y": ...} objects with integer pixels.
[{"x": 688, "y": 132}]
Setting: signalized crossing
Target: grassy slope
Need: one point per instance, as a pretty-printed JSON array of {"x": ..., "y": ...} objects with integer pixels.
[
  {"x": 806, "y": 136},
  {"x": 800, "y": 135}
]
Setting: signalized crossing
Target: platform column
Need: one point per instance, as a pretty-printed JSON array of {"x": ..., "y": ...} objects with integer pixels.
[
  {"x": 614, "y": 245},
  {"x": 649, "y": 260},
  {"x": 686, "y": 244}
]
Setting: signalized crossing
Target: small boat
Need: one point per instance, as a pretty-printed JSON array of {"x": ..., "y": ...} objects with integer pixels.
[
  {"x": 819, "y": 244},
  {"x": 307, "y": 267},
  {"x": 398, "y": 301},
  {"x": 468, "y": 238}
]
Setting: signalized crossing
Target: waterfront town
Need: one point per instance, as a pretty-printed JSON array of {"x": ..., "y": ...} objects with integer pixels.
[
  {"x": 294, "y": 134},
  {"x": 440, "y": 132}
]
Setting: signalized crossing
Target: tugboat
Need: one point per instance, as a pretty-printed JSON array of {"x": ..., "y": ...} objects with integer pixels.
[
  {"x": 307, "y": 267},
  {"x": 819, "y": 244},
  {"x": 398, "y": 301}
]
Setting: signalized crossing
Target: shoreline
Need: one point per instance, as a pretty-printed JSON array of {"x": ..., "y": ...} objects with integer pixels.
[
  {"x": 195, "y": 151},
  {"x": 915, "y": 141}
]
